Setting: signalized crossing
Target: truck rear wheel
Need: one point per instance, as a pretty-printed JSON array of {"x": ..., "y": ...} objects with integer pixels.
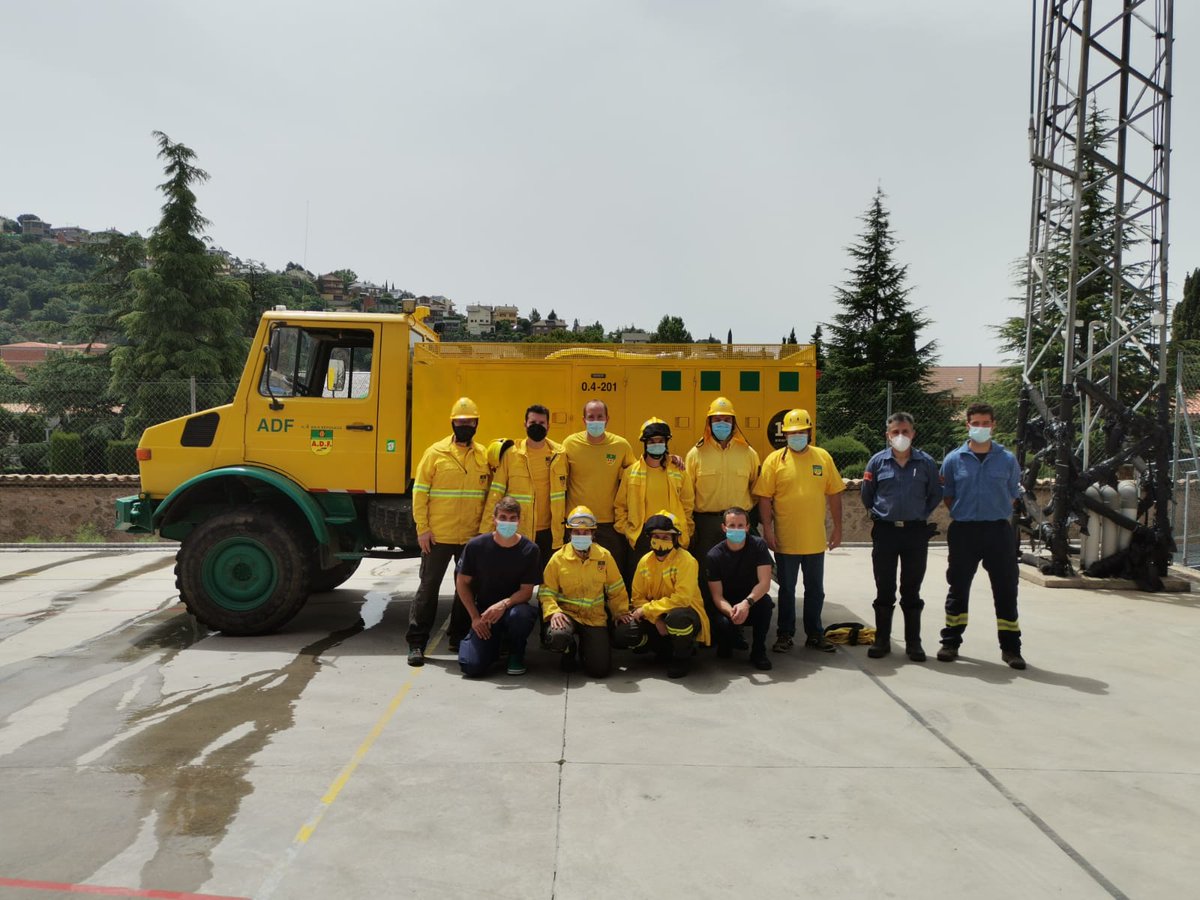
[
  {"x": 327, "y": 579},
  {"x": 244, "y": 572}
]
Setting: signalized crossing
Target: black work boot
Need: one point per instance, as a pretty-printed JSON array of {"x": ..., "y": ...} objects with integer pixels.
[
  {"x": 912, "y": 635},
  {"x": 883, "y": 634}
]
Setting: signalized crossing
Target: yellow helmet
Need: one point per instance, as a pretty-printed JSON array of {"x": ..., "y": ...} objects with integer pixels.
[
  {"x": 496, "y": 450},
  {"x": 464, "y": 408},
  {"x": 721, "y": 407},
  {"x": 581, "y": 517},
  {"x": 797, "y": 420}
]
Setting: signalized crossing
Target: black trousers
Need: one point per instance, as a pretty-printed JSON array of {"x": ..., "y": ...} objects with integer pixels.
[
  {"x": 595, "y": 645},
  {"x": 607, "y": 537},
  {"x": 908, "y": 546},
  {"x": 683, "y": 630},
  {"x": 759, "y": 620},
  {"x": 994, "y": 544},
  {"x": 708, "y": 535},
  {"x": 424, "y": 605}
]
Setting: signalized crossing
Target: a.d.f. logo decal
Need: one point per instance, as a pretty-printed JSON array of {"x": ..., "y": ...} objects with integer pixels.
[{"x": 320, "y": 440}]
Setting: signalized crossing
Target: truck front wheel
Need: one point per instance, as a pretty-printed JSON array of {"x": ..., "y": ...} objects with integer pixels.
[{"x": 244, "y": 571}]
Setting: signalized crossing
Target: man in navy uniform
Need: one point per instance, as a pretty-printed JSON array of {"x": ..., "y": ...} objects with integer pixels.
[{"x": 901, "y": 488}]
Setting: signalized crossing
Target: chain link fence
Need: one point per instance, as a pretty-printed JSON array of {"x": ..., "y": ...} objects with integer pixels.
[
  {"x": 1186, "y": 460},
  {"x": 44, "y": 430}
]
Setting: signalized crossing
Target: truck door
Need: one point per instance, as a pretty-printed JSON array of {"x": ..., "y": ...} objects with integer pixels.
[{"x": 314, "y": 413}]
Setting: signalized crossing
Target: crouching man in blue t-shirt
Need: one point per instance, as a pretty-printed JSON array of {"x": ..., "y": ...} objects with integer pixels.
[{"x": 495, "y": 580}]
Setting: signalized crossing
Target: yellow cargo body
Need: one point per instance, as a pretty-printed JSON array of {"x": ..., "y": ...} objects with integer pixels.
[{"x": 674, "y": 382}]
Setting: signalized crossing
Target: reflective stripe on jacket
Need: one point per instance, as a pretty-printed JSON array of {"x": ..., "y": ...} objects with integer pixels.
[
  {"x": 660, "y": 586},
  {"x": 514, "y": 478},
  {"x": 630, "y": 504},
  {"x": 448, "y": 491},
  {"x": 579, "y": 587}
]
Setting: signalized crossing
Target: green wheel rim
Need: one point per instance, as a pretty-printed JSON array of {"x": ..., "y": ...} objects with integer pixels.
[{"x": 240, "y": 574}]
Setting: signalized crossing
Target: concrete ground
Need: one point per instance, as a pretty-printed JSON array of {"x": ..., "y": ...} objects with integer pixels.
[{"x": 142, "y": 756}]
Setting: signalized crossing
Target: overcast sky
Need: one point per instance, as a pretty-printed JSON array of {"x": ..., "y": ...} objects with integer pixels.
[{"x": 609, "y": 160}]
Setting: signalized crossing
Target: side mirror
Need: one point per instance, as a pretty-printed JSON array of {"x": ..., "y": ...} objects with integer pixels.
[
  {"x": 273, "y": 350},
  {"x": 335, "y": 376}
]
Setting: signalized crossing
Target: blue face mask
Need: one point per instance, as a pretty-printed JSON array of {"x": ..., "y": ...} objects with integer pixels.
[
  {"x": 735, "y": 535},
  {"x": 595, "y": 429},
  {"x": 656, "y": 449},
  {"x": 581, "y": 542},
  {"x": 797, "y": 442},
  {"x": 980, "y": 434},
  {"x": 507, "y": 529},
  {"x": 722, "y": 430}
]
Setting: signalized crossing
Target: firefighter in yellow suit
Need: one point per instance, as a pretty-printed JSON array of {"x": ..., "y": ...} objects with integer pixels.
[
  {"x": 533, "y": 471},
  {"x": 668, "y": 612},
  {"x": 656, "y": 480},
  {"x": 580, "y": 580},
  {"x": 448, "y": 492}
]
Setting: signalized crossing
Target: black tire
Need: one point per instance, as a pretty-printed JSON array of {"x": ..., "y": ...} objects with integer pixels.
[
  {"x": 244, "y": 572},
  {"x": 390, "y": 519},
  {"x": 327, "y": 579}
]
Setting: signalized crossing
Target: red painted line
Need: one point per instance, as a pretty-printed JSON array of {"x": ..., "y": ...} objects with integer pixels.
[{"x": 108, "y": 891}]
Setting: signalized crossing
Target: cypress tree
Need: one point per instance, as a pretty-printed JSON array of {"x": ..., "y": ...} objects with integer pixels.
[{"x": 185, "y": 319}]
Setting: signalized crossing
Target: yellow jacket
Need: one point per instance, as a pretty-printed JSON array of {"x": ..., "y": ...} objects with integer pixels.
[
  {"x": 578, "y": 586},
  {"x": 630, "y": 505},
  {"x": 660, "y": 586},
  {"x": 514, "y": 478},
  {"x": 448, "y": 491},
  {"x": 722, "y": 476}
]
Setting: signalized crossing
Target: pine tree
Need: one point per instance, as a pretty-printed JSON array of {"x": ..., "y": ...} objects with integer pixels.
[
  {"x": 107, "y": 294},
  {"x": 818, "y": 342},
  {"x": 1185, "y": 318},
  {"x": 876, "y": 340},
  {"x": 185, "y": 319}
]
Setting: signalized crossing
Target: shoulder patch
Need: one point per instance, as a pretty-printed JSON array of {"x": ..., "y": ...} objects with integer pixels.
[{"x": 868, "y": 475}]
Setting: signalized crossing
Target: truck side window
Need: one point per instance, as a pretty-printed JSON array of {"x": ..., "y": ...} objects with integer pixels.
[
  {"x": 288, "y": 376},
  {"x": 349, "y": 373}
]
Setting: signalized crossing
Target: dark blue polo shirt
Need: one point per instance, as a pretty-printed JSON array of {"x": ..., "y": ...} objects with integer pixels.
[{"x": 899, "y": 493}]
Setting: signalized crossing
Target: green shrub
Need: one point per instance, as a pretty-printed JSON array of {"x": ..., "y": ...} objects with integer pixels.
[
  {"x": 33, "y": 457},
  {"x": 847, "y": 451},
  {"x": 121, "y": 457},
  {"x": 31, "y": 428},
  {"x": 854, "y": 470},
  {"x": 66, "y": 453}
]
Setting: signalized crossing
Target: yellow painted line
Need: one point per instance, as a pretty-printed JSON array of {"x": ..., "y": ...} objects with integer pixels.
[{"x": 334, "y": 789}]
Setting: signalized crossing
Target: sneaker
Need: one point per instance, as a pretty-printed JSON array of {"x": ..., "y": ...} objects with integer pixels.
[
  {"x": 416, "y": 656},
  {"x": 516, "y": 664},
  {"x": 818, "y": 642},
  {"x": 761, "y": 662},
  {"x": 739, "y": 639},
  {"x": 782, "y": 644},
  {"x": 947, "y": 653},
  {"x": 1013, "y": 658},
  {"x": 677, "y": 668}
]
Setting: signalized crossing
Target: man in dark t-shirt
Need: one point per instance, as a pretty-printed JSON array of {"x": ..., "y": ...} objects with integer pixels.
[
  {"x": 495, "y": 581},
  {"x": 739, "y": 577}
]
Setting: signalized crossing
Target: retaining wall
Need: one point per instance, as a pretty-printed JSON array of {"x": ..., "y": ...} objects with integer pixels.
[{"x": 60, "y": 507}]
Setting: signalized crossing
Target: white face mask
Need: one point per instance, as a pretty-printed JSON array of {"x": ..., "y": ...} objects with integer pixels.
[
  {"x": 980, "y": 434},
  {"x": 900, "y": 442}
]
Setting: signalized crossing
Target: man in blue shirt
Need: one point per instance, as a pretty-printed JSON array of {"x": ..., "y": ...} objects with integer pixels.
[
  {"x": 980, "y": 482},
  {"x": 901, "y": 488}
]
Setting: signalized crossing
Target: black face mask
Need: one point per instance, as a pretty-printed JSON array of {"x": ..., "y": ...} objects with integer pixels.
[
  {"x": 463, "y": 433},
  {"x": 536, "y": 431}
]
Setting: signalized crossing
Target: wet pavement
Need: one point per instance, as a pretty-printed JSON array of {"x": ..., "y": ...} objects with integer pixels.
[{"x": 141, "y": 755}]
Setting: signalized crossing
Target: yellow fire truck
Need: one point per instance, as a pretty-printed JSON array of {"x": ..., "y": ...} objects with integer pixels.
[{"x": 282, "y": 492}]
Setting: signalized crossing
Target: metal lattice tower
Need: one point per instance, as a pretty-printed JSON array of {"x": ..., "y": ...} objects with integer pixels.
[{"x": 1099, "y": 128}]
